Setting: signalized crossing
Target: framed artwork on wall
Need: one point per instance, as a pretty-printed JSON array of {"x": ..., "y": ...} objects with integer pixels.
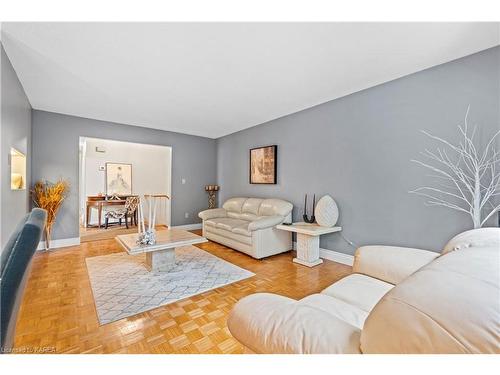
[
  {"x": 263, "y": 165},
  {"x": 118, "y": 179}
]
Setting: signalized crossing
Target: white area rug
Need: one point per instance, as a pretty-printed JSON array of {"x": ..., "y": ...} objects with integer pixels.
[{"x": 122, "y": 286}]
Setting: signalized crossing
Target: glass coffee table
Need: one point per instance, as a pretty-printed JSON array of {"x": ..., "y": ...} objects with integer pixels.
[{"x": 161, "y": 255}]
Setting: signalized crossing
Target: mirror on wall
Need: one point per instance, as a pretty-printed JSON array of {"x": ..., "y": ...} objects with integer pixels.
[{"x": 17, "y": 170}]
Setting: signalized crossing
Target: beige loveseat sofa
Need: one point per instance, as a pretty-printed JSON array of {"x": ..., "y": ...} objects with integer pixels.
[
  {"x": 397, "y": 300},
  {"x": 248, "y": 225}
]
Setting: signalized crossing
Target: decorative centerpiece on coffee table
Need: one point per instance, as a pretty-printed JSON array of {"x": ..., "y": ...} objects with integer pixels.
[{"x": 148, "y": 236}]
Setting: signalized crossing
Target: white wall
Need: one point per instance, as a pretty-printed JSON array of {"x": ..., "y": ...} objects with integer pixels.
[{"x": 151, "y": 170}]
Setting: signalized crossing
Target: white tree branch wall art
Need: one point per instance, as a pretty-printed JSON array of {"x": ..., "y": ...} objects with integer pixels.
[{"x": 467, "y": 179}]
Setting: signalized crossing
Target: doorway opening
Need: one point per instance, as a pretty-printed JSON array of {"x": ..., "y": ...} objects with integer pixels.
[{"x": 111, "y": 174}]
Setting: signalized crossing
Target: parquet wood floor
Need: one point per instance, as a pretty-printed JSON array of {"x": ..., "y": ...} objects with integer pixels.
[
  {"x": 97, "y": 234},
  {"x": 58, "y": 315}
]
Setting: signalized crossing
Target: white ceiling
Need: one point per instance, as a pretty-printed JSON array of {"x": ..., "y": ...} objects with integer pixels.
[{"x": 212, "y": 79}]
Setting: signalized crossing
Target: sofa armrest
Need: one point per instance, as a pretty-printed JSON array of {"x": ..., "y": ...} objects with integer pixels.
[
  {"x": 390, "y": 263},
  {"x": 269, "y": 323},
  {"x": 212, "y": 213},
  {"x": 265, "y": 222}
]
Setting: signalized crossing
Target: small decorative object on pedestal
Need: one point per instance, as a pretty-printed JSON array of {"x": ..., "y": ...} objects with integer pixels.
[
  {"x": 148, "y": 236},
  {"x": 327, "y": 212},
  {"x": 304, "y": 216},
  {"x": 212, "y": 195}
]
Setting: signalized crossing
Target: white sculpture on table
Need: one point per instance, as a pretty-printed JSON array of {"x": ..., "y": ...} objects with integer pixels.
[
  {"x": 326, "y": 212},
  {"x": 147, "y": 236}
]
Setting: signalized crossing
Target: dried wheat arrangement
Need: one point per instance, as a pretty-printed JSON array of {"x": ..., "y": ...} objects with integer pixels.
[{"x": 49, "y": 196}]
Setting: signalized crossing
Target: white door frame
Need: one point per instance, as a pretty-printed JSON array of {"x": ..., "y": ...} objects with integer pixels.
[{"x": 81, "y": 178}]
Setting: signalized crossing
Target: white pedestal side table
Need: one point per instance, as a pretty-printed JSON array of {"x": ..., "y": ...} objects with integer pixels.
[{"x": 308, "y": 241}]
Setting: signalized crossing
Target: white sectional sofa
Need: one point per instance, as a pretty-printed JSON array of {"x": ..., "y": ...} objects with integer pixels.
[
  {"x": 397, "y": 300},
  {"x": 248, "y": 225}
]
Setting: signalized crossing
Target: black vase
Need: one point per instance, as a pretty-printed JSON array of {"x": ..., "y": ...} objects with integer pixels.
[{"x": 306, "y": 218}]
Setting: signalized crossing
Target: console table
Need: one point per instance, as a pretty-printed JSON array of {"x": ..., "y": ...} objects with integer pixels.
[
  {"x": 308, "y": 241},
  {"x": 98, "y": 202}
]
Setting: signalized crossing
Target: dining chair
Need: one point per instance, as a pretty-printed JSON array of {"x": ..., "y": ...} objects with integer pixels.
[{"x": 129, "y": 210}]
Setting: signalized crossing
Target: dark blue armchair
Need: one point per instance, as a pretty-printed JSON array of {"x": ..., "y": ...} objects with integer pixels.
[{"x": 15, "y": 261}]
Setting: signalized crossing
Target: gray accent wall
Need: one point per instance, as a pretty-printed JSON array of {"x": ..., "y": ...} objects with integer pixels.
[
  {"x": 56, "y": 155},
  {"x": 15, "y": 132},
  {"x": 358, "y": 149}
]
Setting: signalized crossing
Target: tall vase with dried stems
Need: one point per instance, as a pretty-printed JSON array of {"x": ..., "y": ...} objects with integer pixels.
[
  {"x": 469, "y": 178},
  {"x": 49, "y": 196}
]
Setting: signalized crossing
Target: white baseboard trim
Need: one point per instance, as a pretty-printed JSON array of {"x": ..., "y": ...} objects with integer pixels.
[
  {"x": 333, "y": 255},
  {"x": 63, "y": 242},
  {"x": 188, "y": 226},
  {"x": 336, "y": 256}
]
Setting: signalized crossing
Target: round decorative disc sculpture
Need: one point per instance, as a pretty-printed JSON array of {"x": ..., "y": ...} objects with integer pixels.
[{"x": 327, "y": 212}]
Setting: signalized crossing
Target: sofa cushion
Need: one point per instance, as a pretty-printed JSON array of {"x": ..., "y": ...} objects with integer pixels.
[
  {"x": 242, "y": 229},
  {"x": 228, "y": 223},
  {"x": 449, "y": 306},
  {"x": 237, "y": 226},
  {"x": 211, "y": 222},
  {"x": 342, "y": 310},
  {"x": 359, "y": 290},
  {"x": 271, "y": 207},
  {"x": 227, "y": 234},
  {"x": 391, "y": 264},
  {"x": 234, "y": 204},
  {"x": 212, "y": 213},
  {"x": 251, "y": 206},
  {"x": 269, "y": 323},
  {"x": 244, "y": 216},
  {"x": 482, "y": 237}
]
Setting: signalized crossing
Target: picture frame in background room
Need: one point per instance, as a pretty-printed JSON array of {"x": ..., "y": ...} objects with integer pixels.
[
  {"x": 263, "y": 165},
  {"x": 118, "y": 179}
]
